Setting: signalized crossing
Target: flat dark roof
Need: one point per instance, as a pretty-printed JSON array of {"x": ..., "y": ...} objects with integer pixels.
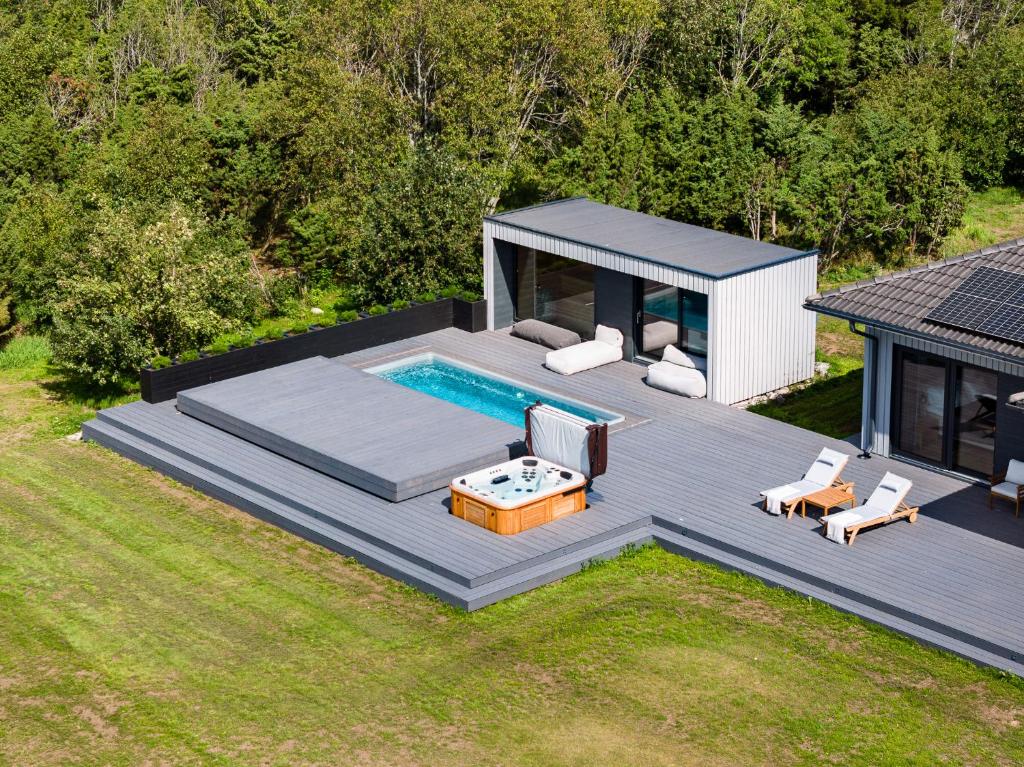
[{"x": 661, "y": 240}]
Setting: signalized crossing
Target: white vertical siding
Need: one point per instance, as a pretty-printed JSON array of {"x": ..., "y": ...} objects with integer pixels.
[
  {"x": 887, "y": 341},
  {"x": 761, "y": 337}
]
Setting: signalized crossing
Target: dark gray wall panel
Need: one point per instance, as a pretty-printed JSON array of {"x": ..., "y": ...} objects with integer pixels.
[
  {"x": 504, "y": 283},
  {"x": 613, "y": 304},
  {"x": 1009, "y": 423}
]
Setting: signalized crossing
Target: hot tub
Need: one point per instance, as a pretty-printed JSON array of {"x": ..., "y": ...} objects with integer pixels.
[{"x": 517, "y": 495}]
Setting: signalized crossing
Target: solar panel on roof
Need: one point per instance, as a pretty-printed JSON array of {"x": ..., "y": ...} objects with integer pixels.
[{"x": 990, "y": 301}]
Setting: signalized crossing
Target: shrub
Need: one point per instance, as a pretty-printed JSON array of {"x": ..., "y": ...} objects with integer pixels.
[
  {"x": 243, "y": 341},
  {"x": 376, "y": 310},
  {"x": 191, "y": 355},
  {"x": 273, "y": 334},
  {"x": 452, "y": 291},
  {"x": 218, "y": 347},
  {"x": 24, "y": 352},
  {"x": 425, "y": 298},
  {"x": 344, "y": 304},
  {"x": 400, "y": 304},
  {"x": 140, "y": 285},
  {"x": 299, "y": 326},
  {"x": 159, "y": 362},
  {"x": 469, "y": 295},
  {"x": 349, "y": 315}
]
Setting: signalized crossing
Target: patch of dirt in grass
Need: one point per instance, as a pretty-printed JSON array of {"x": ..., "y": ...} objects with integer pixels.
[{"x": 96, "y": 721}]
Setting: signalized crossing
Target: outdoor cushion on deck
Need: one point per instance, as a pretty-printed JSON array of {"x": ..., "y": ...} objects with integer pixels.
[
  {"x": 545, "y": 334},
  {"x": 605, "y": 348},
  {"x": 677, "y": 373},
  {"x": 1009, "y": 485},
  {"x": 677, "y": 356},
  {"x": 824, "y": 472},
  {"x": 884, "y": 505}
]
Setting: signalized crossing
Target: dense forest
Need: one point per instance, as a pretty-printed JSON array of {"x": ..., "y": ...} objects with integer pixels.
[{"x": 172, "y": 169}]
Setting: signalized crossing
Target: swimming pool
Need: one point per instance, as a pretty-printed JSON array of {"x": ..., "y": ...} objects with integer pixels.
[{"x": 486, "y": 393}]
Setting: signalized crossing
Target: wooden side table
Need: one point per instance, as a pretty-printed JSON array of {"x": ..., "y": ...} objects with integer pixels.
[{"x": 830, "y": 498}]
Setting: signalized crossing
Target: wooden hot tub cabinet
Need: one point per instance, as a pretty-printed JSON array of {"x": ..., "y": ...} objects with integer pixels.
[{"x": 509, "y": 521}]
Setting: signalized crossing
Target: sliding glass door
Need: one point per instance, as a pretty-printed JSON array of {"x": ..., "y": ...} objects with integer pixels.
[
  {"x": 555, "y": 290},
  {"x": 944, "y": 413},
  {"x": 659, "y": 318}
]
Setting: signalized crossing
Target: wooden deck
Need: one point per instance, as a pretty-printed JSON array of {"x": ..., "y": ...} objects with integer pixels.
[{"x": 683, "y": 473}]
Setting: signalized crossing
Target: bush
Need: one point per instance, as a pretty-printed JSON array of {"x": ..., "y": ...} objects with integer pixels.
[
  {"x": 452, "y": 291},
  {"x": 349, "y": 315},
  {"x": 299, "y": 327},
  {"x": 190, "y": 355},
  {"x": 218, "y": 347},
  {"x": 425, "y": 298},
  {"x": 243, "y": 341},
  {"x": 273, "y": 334},
  {"x": 171, "y": 284},
  {"x": 24, "y": 352},
  {"x": 160, "y": 362},
  {"x": 376, "y": 310},
  {"x": 400, "y": 304},
  {"x": 469, "y": 295}
]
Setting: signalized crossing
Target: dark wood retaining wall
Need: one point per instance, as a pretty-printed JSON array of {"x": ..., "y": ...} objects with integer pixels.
[{"x": 164, "y": 384}]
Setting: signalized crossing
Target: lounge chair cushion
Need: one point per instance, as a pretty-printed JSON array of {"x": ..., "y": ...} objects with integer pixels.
[
  {"x": 788, "y": 493},
  {"x": 827, "y": 467},
  {"x": 885, "y": 500},
  {"x": 545, "y": 334},
  {"x": 1006, "y": 490},
  {"x": 607, "y": 335},
  {"x": 677, "y": 356},
  {"x": 589, "y": 354},
  {"x": 836, "y": 524},
  {"x": 1015, "y": 472},
  {"x": 685, "y": 381}
]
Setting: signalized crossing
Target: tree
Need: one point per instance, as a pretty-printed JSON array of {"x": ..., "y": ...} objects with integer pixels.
[
  {"x": 143, "y": 288},
  {"x": 421, "y": 230}
]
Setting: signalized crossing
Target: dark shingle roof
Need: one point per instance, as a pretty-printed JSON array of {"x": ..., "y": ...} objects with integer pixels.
[
  {"x": 661, "y": 240},
  {"x": 901, "y": 301}
]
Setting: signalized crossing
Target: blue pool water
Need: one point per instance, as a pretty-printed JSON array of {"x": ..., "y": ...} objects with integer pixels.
[{"x": 501, "y": 399}]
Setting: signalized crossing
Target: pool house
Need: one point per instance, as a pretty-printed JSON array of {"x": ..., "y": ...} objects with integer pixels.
[{"x": 733, "y": 301}]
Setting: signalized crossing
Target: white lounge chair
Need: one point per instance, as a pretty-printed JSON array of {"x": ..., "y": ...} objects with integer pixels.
[
  {"x": 678, "y": 373},
  {"x": 824, "y": 472},
  {"x": 1009, "y": 485},
  {"x": 885, "y": 505},
  {"x": 605, "y": 348}
]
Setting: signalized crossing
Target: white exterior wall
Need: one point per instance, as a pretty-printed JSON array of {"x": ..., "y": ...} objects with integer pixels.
[
  {"x": 760, "y": 336},
  {"x": 887, "y": 340}
]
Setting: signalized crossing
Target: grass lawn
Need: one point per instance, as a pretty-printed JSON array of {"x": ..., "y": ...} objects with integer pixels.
[{"x": 143, "y": 623}]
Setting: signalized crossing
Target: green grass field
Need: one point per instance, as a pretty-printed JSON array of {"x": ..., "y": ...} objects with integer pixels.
[{"x": 143, "y": 623}]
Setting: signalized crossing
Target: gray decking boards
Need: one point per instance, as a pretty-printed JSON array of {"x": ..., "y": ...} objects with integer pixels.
[
  {"x": 381, "y": 437},
  {"x": 684, "y": 473}
]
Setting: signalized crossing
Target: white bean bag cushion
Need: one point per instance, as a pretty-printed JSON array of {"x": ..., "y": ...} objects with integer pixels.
[
  {"x": 677, "y": 356},
  {"x": 686, "y": 382},
  {"x": 605, "y": 348}
]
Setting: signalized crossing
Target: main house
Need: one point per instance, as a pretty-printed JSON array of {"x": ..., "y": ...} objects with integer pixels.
[
  {"x": 944, "y": 357},
  {"x": 734, "y": 301}
]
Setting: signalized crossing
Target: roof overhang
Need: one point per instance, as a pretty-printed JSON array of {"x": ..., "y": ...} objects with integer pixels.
[{"x": 901, "y": 330}]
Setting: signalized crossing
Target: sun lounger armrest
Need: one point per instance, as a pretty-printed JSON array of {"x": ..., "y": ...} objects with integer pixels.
[{"x": 998, "y": 478}]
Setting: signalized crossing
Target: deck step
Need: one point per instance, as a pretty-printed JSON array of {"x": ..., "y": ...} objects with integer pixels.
[
  {"x": 177, "y": 438},
  {"x": 210, "y": 482},
  {"x": 693, "y": 547}
]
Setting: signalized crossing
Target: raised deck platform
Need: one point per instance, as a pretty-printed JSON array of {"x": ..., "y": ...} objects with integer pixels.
[
  {"x": 383, "y": 438},
  {"x": 682, "y": 473}
]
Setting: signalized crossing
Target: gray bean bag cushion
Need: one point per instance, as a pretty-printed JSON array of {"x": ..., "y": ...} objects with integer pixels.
[{"x": 544, "y": 334}]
